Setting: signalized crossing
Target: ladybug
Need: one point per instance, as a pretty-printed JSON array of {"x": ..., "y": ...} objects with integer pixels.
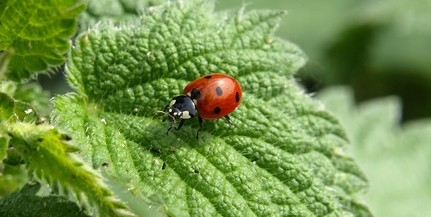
[{"x": 209, "y": 97}]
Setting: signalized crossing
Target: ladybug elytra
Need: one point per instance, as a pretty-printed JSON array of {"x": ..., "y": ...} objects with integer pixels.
[{"x": 209, "y": 97}]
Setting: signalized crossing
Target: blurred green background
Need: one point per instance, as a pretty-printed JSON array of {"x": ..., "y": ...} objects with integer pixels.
[{"x": 378, "y": 47}]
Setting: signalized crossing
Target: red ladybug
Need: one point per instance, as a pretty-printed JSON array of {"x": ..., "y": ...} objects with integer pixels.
[{"x": 209, "y": 97}]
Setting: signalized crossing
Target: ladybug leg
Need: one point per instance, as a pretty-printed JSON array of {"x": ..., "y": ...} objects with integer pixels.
[
  {"x": 180, "y": 124},
  {"x": 165, "y": 113},
  {"x": 167, "y": 132},
  {"x": 176, "y": 127},
  {"x": 227, "y": 118},
  {"x": 172, "y": 123},
  {"x": 229, "y": 121},
  {"x": 200, "y": 127}
]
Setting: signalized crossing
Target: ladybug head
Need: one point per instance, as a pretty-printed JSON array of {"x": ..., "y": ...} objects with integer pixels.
[{"x": 181, "y": 107}]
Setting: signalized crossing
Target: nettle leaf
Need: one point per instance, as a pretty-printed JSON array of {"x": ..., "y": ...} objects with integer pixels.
[
  {"x": 4, "y": 141},
  {"x": 396, "y": 159},
  {"x": 29, "y": 202},
  {"x": 48, "y": 153},
  {"x": 12, "y": 110},
  {"x": 284, "y": 156},
  {"x": 12, "y": 177},
  {"x": 33, "y": 94},
  {"x": 30, "y": 93},
  {"x": 6, "y": 107},
  {"x": 36, "y": 33},
  {"x": 116, "y": 11}
]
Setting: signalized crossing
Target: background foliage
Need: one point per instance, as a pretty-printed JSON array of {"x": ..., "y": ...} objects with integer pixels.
[{"x": 378, "y": 48}]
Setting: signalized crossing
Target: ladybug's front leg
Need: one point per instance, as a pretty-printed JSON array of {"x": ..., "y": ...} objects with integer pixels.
[
  {"x": 227, "y": 118},
  {"x": 176, "y": 127},
  {"x": 180, "y": 124},
  {"x": 200, "y": 127}
]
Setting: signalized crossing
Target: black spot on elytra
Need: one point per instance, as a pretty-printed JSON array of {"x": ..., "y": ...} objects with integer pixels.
[
  {"x": 217, "y": 110},
  {"x": 195, "y": 94},
  {"x": 208, "y": 76},
  {"x": 219, "y": 91},
  {"x": 237, "y": 97}
]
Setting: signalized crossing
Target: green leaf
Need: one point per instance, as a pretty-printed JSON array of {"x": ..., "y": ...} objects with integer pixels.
[
  {"x": 12, "y": 110},
  {"x": 4, "y": 141},
  {"x": 116, "y": 11},
  {"x": 29, "y": 202},
  {"x": 8, "y": 87},
  {"x": 395, "y": 158},
  {"x": 48, "y": 153},
  {"x": 33, "y": 94},
  {"x": 4, "y": 61},
  {"x": 284, "y": 156},
  {"x": 12, "y": 178},
  {"x": 30, "y": 93},
  {"x": 6, "y": 107},
  {"x": 36, "y": 34}
]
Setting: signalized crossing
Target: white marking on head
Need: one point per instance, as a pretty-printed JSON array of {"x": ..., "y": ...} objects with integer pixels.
[
  {"x": 172, "y": 103},
  {"x": 186, "y": 115}
]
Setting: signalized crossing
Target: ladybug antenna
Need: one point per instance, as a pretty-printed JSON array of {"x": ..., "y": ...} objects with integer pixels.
[
  {"x": 161, "y": 113},
  {"x": 173, "y": 123}
]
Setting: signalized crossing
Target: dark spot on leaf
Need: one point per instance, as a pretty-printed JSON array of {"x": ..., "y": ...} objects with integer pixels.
[
  {"x": 219, "y": 91},
  {"x": 196, "y": 171},
  {"x": 208, "y": 76},
  {"x": 255, "y": 158},
  {"x": 40, "y": 139},
  {"x": 105, "y": 164},
  {"x": 66, "y": 137},
  {"x": 40, "y": 121},
  {"x": 237, "y": 97},
  {"x": 164, "y": 165},
  {"x": 156, "y": 150},
  {"x": 217, "y": 110}
]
